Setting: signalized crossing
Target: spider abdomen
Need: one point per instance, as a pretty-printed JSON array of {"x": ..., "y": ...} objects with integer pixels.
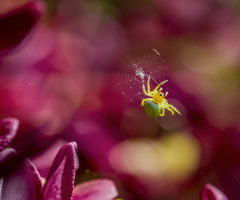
[{"x": 151, "y": 109}]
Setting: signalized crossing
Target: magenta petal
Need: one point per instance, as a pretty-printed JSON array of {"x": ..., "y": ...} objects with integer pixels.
[
  {"x": 61, "y": 177},
  {"x": 44, "y": 160},
  {"x": 209, "y": 192},
  {"x": 8, "y": 129},
  {"x": 97, "y": 190},
  {"x": 23, "y": 183},
  {"x": 16, "y": 24}
]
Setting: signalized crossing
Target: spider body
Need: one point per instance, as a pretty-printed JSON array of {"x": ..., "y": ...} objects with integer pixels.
[
  {"x": 151, "y": 109},
  {"x": 157, "y": 104}
]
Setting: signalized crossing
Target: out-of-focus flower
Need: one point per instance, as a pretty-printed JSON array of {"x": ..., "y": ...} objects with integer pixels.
[
  {"x": 47, "y": 71},
  {"x": 25, "y": 179},
  {"x": 60, "y": 182},
  {"x": 209, "y": 192},
  {"x": 93, "y": 134},
  {"x": 95, "y": 190},
  {"x": 8, "y": 129},
  {"x": 174, "y": 159},
  {"x": 17, "y": 23}
]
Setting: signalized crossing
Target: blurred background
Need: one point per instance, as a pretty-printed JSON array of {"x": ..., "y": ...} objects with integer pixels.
[{"x": 66, "y": 72}]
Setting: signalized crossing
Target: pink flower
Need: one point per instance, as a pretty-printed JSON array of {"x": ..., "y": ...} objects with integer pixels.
[
  {"x": 17, "y": 23},
  {"x": 25, "y": 182},
  {"x": 209, "y": 192}
]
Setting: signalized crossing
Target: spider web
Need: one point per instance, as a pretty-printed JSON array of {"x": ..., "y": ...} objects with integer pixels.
[
  {"x": 151, "y": 63},
  {"x": 136, "y": 69},
  {"x": 136, "y": 72}
]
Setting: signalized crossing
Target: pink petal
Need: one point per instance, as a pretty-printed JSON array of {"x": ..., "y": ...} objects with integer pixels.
[
  {"x": 8, "y": 129},
  {"x": 102, "y": 189},
  {"x": 16, "y": 24},
  {"x": 61, "y": 177},
  {"x": 23, "y": 183},
  {"x": 44, "y": 160},
  {"x": 209, "y": 192}
]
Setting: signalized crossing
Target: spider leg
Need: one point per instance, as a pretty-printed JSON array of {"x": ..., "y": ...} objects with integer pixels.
[
  {"x": 145, "y": 100},
  {"x": 159, "y": 86},
  {"x": 148, "y": 94},
  {"x": 175, "y": 109},
  {"x": 148, "y": 84},
  {"x": 165, "y": 94},
  {"x": 170, "y": 110},
  {"x": 163, "y": 112}
]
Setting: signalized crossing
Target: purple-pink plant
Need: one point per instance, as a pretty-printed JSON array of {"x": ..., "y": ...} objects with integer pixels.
[
  {"x": 25, "y": 182},
  {"x": 16, "y": 24},
  {"x": 209, "y": 192}
]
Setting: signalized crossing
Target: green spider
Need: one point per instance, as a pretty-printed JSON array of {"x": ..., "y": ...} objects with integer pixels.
[{"x": 155, "y": 105}]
